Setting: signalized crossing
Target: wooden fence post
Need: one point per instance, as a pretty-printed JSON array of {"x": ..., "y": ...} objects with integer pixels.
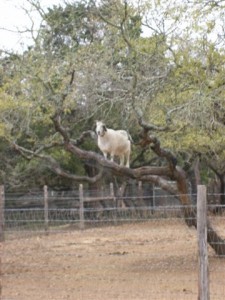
[
  {"x": 140, "y": 191},
  {"x": 114, "y": 202},
  {"x": 203, "y": 284},
  {"x": 81, "y": 196},
  {"x": 1, "y": 272},
  {"x": 141, "y": 202},
  {"x": 2, "y": 217},
  {"x": 153, "y": 198},
  {"x": 2, "y": 227},
  {"x": 46, "y": 208}
]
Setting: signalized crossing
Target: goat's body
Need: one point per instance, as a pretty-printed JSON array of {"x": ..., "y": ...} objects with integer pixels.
[{"x": 114, "y": 143}]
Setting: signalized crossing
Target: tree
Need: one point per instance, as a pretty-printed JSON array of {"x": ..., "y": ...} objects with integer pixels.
[
  {"x": 118, "y": 75},
  {"x": 200, "y": 69}
]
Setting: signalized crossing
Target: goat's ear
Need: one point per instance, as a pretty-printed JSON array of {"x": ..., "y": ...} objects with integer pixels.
[{"x": 104, "y": 128}]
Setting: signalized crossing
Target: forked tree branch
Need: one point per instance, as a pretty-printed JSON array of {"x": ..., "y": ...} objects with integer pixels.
[{"x": 54, "y": 165}]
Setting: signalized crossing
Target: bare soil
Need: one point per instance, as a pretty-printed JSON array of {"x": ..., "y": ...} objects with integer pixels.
[{"x": 150, "y": 260}]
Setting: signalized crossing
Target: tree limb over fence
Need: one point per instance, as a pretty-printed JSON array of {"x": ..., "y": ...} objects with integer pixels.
[{"x": 161, "y": 176}]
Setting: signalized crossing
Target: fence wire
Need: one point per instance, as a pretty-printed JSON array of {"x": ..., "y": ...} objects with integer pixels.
[{"x": 137, "y": 249}]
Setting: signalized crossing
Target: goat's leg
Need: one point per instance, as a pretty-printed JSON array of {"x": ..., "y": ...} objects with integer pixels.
[
  {"x": 122, "y": 160},
  {"x": 112, "y": 157},
  {"x": 128, "y": 160}
]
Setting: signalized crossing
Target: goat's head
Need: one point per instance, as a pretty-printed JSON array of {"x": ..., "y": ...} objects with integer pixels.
[{"x": 100, "y": 128}]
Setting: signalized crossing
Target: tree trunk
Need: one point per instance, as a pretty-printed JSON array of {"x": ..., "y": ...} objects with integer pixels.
[
  {"x": 194, "y": 178},
  {"x": 215, "y": 241},
  {"x": 222, "y": 189},
  {"x": 189, "y": 210},
  {"x": 190, "y": 214}
]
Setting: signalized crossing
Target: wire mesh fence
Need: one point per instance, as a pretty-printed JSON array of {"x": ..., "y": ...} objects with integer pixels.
[
  {"x": 129, "y": 248},
  {"x": 28, "y": 211}
]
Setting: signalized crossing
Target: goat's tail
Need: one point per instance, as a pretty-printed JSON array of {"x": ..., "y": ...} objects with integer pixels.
[{"x": 130, "y": 138}]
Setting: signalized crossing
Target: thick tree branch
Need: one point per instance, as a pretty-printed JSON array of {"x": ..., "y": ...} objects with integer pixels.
[
  {"x": 72, "y": 146},
  {"x": 155, "y": 145},
  {"x": 59, "y": 128},
  {"x": 54, "y": 165}
]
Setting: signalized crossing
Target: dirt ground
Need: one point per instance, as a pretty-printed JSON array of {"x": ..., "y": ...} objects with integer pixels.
[{"x": 150, "y": 260}]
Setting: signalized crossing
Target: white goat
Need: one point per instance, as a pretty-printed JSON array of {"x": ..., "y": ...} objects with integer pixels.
[{"x": 114, "y": 142}]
